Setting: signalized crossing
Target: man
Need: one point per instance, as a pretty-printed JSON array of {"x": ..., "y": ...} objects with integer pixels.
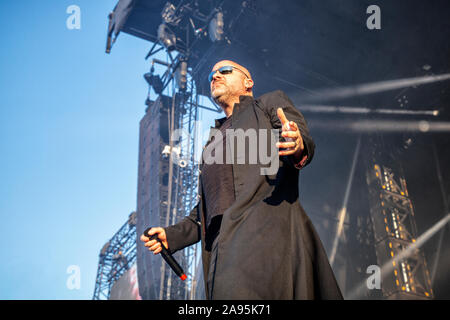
[{"x": 257, "y": 242}]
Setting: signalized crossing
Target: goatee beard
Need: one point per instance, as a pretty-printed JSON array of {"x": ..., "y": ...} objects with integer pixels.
[{"x": 219, "y": 95}]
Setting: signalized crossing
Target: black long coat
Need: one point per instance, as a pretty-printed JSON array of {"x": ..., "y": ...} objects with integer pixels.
[{"x": 267, "y": 246}]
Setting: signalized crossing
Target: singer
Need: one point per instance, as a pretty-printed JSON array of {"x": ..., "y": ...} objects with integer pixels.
[{"x": 257, "y": 241}]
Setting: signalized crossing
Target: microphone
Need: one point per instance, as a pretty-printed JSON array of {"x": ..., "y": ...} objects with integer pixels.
[{"x": 167, "y": 256}]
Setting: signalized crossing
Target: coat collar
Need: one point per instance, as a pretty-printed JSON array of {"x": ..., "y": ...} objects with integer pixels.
[
  {"x": 238, "y": 107},
  {"x": 218, "y": 122}
]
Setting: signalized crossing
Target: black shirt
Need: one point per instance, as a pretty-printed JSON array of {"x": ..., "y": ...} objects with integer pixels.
[{"x": 218, "y": 185}]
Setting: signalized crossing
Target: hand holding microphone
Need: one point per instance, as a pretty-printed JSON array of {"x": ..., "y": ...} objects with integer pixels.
[
  {"x": 156, "y": 240},
  {"x": 154, "y": 243}
]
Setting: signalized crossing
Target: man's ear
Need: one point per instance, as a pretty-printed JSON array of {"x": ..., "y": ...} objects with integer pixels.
[{"x": 248, "y": 84}]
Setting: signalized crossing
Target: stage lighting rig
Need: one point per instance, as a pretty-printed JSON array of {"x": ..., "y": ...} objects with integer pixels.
[
  {"x": 166, "y": 37},
  {"x": 186, "y": 27},
  {"x": 181, "y": 75},
  {"x": 175, "y": 152},
  {"x": 169, "y": 14},
  {"x": 216, "y": 26}
]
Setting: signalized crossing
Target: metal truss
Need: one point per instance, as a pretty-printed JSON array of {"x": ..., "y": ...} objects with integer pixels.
[
  {"x": 183, "y": 171},
  {"x": 116, "y": 257},
  {"x": 189, "y": 179},
  {"x": 395, "y": 230}
]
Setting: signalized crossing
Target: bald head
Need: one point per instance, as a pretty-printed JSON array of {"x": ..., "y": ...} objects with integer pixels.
[
  {"x": 234, "y": 64},
  {"x": 228, "y": 87}
]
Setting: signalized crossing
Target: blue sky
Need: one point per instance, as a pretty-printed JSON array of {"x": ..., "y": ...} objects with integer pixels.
[{"x": 69, "y": 121}]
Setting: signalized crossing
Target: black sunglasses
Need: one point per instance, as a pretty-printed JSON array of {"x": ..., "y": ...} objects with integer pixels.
[{"x": 225, "y": 70}]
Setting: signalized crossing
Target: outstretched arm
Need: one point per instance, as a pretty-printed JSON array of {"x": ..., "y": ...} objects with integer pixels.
[{"x": 273, "y": 101}]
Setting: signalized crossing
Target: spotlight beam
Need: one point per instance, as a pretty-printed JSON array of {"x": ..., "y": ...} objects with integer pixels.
[
  {"x": 370, "y": 88},
  {"x": 361, "y": 110},
  {"x": 446, "y": 208},
  {"x": 343, "y": 211},
  {"x": 368, "y": 126}
]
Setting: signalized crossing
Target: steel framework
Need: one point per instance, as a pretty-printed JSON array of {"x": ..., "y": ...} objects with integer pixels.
[
  {"x": 116, "y": 257},
  {"x": 168, "y": 171},
  {"x": 394, "y": 228},
  {"x": 182, "y": 195}
]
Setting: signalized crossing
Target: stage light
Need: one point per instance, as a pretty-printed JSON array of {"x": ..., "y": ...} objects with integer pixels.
[
  {"x": 181, "y": 76},
  {"x": 166, "y": 152},
  {"x": 216, "y": 27},
  {"x": 166, "y": 37},
  {"x": 175, "y": 153},
  {"x": 182, "y": 163},
  {"x": 424, "y": 126},
  {"x": 168, "y": 14}
]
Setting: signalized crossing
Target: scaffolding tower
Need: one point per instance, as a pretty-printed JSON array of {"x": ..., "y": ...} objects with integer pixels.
[
  {"x": 116, "y": 257},
  {"x": 395, "y": 230},
  {"x": 378, "y": 228},
  {"x": 168, "y": 174}
]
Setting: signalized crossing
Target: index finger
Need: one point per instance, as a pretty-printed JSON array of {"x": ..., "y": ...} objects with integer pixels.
[
  {"x": 156, "y": 233},
  {"x": 154, "y": 230},
  {"x": 282, "y": 117}
]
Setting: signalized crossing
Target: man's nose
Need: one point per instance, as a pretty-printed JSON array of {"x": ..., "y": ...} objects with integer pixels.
[{"x": 216, "y": 75}]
